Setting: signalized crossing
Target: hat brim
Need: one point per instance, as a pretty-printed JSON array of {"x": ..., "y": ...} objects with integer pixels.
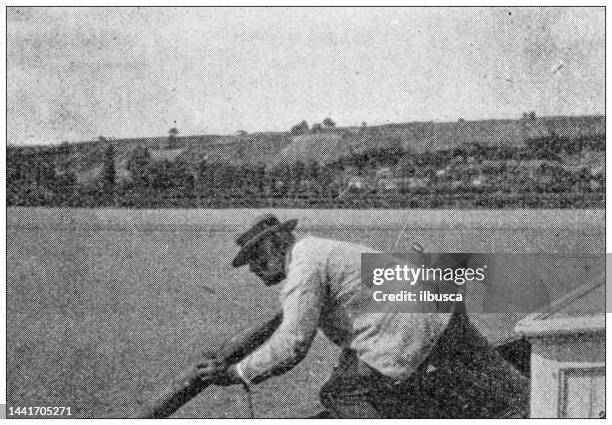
[{"x": 246, "y": 251}]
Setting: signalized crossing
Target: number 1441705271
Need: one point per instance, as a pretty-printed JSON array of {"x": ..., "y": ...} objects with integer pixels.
[{"x": 39, "y": 411}]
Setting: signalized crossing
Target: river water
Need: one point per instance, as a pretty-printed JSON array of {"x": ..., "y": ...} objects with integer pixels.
[{"x": 104, "y": 305}]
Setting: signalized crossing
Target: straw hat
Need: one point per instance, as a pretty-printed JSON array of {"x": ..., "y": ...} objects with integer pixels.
[{"x": 258, "y": 228}]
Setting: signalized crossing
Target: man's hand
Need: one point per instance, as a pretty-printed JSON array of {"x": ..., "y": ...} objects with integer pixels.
[{"x": 217, "y": 371}]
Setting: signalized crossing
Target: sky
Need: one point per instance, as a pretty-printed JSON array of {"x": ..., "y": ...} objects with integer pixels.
[{"x": 75, "y": 74}]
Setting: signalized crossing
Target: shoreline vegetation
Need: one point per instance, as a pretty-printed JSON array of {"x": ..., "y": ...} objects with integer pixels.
[{"x": 543, "y": 173}]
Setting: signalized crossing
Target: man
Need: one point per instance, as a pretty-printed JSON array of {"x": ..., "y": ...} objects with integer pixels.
[{"x": 385, "y": 357}]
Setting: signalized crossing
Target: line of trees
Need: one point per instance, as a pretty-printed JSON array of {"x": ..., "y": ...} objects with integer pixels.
[
  {"x": 45, "y": 176},
  {"x": 303, "y": 127}
]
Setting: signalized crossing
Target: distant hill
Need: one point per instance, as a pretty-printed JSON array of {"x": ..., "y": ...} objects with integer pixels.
[
  {"x": 421, "y": 137},
  {"x": 320, "y": 147},
  {"x": 549, "y": 162},
  {"x": 330, "y": 144}
]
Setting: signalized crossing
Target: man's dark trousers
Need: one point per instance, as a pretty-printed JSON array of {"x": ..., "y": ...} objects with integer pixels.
[{"x": 463, "y": 377}]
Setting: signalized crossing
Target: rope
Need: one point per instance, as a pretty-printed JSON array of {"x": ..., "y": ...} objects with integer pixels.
[
  {"x": 249, "y": 397},
  {"x": 399, "y": 237}
]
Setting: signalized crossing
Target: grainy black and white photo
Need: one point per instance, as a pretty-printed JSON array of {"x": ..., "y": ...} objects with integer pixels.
[{"x": 305, "y": 212}]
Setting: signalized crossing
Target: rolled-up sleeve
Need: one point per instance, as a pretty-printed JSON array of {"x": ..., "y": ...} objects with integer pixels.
[{"x": 301, "y": 298}]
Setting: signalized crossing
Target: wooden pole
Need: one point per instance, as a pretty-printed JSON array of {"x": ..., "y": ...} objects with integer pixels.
[{"x": 189, "y": 384}]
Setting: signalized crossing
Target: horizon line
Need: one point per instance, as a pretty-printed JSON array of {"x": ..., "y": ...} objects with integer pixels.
[{"x": 234, "y": 134}]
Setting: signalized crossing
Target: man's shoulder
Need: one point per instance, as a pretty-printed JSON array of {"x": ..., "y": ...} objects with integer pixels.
[
  {"x": 318, "y": 245},
  {"x": 311, "y": 243}
]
